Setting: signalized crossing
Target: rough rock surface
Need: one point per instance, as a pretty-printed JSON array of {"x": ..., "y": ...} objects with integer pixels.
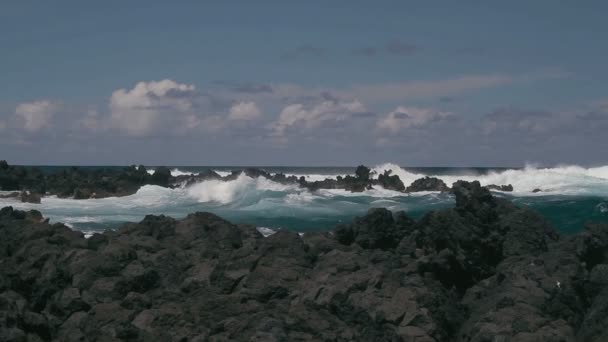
[
  {"x": 83, "y": 183},
  {"x": 427, "y": 184},
  {"x": 390, "y": 182},
  {"x": 485, "y": 270}
]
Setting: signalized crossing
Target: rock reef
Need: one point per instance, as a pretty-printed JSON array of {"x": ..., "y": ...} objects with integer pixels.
[
  {"x": 485, "y": 270},
  {"x": 83, "y": 183}
]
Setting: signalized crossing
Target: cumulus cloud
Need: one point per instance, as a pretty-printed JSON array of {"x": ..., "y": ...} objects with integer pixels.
[
  {"x": 154, "y": 105},
  {"x": 403, "y": 118},
  {"x": 36, "y": 115},
  {"x": 244, "y": 111},
  {"x": 312, "y": 116}
]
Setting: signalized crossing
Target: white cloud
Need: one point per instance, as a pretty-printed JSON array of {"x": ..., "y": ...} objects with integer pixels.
[
  {"x": 151, "y": 106},
  {"x": 36, "y": 115},
  {"x": 403, "y": 118},
  {"x": 245, "y": 111},
  {"x": 314, "y": 116}
]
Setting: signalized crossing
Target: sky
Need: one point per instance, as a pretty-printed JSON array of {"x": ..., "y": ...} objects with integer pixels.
[{"x": 307, "y": 83}]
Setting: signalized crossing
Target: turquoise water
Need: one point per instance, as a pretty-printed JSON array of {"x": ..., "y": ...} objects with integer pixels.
[{"x": 571, "y": 196}]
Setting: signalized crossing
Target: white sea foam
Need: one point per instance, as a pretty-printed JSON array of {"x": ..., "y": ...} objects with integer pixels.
[
  {"x": 225, "y": 192},
  {"x": 558, "y": 180},
  {"x": 223, "y": 173},
  {"x": 246, "y": 198},
  {"x": 174, "y": 172},
  {"x": 266, "y": 231},
  {"x": 177, "y": 172}
]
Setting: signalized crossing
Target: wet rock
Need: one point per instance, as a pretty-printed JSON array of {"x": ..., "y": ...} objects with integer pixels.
[
  {"x": 377, "y": 229},
  {"x": 484, "y": 270},
  {"x": 161, "y": 176},
  {"x": 390, "y": 182},
  {"x": 29, "y": 197},
  {"x": 427, "y": 184}
]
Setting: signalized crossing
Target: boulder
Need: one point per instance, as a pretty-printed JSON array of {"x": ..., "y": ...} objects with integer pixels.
[
  {"x": 30, "y": 197},
  {"x": 161, "y": 176},
  {"x": 484, "y": 270},
  {"x": 390, "y": 182},
  {"x": 427, "y": 184}
]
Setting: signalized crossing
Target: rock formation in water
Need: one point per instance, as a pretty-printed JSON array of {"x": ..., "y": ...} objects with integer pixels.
[
  {"x": 485, "y": 270},
  {"x": 427, "y": 184},
  {"x": 83, "y": 183}
]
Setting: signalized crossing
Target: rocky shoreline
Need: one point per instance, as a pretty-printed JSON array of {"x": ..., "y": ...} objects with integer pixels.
[
  {"x": 485, "y": 270},
  {"x": 30, "y": 184}
]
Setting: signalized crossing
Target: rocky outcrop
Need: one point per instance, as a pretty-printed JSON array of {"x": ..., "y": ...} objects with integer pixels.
[
  {"x": 85, "y": 183},
  {"x": 79, "y": 183},
  {"x": 427, "y": 184},
  {"x": 360, "y": 182},
  {"x": 390, "y": 182},
  {"x": 485, "y": 270},
  {"x": 29, "y": 197}
]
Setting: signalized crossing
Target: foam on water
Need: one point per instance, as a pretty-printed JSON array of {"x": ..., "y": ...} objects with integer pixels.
[
  {"x": 564, "y": 180},
  {"x": 175, "y": 172},
  {"x": 226, "y": 192},
  {"x": 272, "y": 205},
  {"x": 265, "y": 231}
]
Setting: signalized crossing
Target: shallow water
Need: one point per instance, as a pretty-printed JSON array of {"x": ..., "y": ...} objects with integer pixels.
[{"x": 571, "y": 196}]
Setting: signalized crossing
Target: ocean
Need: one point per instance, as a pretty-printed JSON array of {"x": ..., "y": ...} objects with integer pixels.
[{"x": 570, "y": 197}]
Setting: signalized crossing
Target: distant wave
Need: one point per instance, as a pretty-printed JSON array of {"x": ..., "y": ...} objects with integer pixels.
[
  {"x": 564, "y": 180},
  {"x": 175, "y": 172},
  {"x": 273, "y": 205}
]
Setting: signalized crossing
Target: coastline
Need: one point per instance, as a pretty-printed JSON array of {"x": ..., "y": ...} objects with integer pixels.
[{"x": 485, "y": 269}]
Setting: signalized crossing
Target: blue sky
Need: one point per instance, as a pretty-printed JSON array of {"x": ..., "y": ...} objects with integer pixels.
[{"x": 299, "y": 83}]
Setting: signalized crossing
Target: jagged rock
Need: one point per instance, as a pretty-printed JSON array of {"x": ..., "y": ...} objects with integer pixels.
[
  {"x": 377, "y": 229},
  {"x": 427, "y": 184},
  {"x": 390, "y": 182},
  {"x": 484, "y": 270},
  {"x": 29, "y": 197},
  {"x": 161, "y": 176}
]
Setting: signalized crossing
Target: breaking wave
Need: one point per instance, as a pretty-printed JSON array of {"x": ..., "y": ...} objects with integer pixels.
[
  {"x": 277, "y": 206},
  {"x": 564, "y": 180}
]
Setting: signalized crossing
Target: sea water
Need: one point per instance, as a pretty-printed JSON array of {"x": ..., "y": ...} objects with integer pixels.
[{"x": 570, "y": 197}]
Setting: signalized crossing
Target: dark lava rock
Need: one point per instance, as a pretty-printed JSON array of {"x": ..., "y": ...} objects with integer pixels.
[
  {"x": 506, "y": 188},
  {"x": 486, "y": 270},
  {"x": 427, "y": 184},
  {"x": 377, "y": 229},
  {"x": 161, "y": 176},
  {"x": 390, "y": 182},
  {"x": 29, "y": 197}
]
